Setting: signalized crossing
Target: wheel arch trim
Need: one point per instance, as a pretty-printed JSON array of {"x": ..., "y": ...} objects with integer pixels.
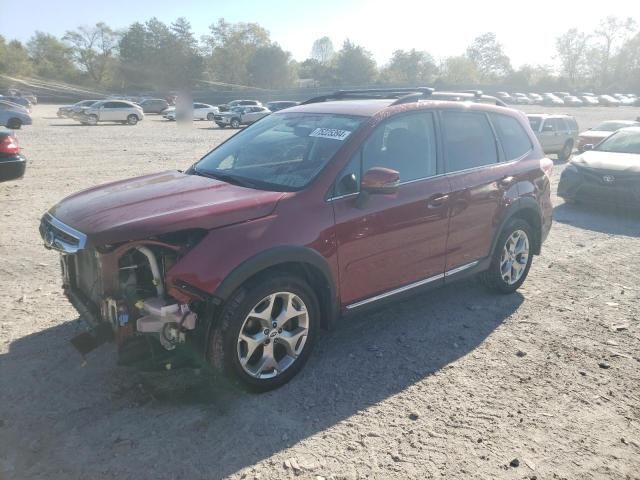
[{"x": 520, "y": 206}]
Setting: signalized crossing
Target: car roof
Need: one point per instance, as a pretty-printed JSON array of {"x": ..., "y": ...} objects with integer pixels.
[
  {"x": 630, "y": 129},
  {"x": 549, "y": 115},
  {"x": 370, "y": 107},
  {"x": 626, "y": 122}
]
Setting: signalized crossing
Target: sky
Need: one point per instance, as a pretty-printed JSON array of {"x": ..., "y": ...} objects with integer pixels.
[{"x": 527, "y": 30}]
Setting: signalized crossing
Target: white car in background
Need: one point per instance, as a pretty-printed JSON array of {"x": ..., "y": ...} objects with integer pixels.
[
  {"x": 201, "y": 111},
  {"x": 111, "y": 111}
]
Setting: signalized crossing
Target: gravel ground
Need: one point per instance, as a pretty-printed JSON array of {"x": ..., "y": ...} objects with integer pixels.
[{"x": 456, "y": 383}]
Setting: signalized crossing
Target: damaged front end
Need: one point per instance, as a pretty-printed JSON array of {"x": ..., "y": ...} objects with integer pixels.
[{"x": 120, "y": 291}]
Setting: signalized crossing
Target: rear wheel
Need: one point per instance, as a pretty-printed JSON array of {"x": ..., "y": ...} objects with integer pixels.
[
  {"x": 566, "y": 151},
  {"x": 132, "y": 119},
  {"x": 266, "y": 332},
  {"x": 235, "y": 123},
  {"x": 14, "y": 124},
  {"x": 512, "y": 258}
]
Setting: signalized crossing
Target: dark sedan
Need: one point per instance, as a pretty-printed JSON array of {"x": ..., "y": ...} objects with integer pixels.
[
  {"x": 12, "y": 164},
  {"x": 608, "y": 173}
]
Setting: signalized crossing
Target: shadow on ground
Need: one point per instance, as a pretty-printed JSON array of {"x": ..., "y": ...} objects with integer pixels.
[
  {"x": 102, "y": 421},
  {"x": 603, "y": 219}
]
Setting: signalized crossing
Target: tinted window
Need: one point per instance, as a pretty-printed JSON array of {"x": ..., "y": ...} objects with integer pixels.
[
  {"x": 468, "y": 140},
  {"x": 406, "y": 144},
  {"x": 111, "y": 105},
  {"x": 535, "y": 123},
  {"x": 515, "y": 141}
]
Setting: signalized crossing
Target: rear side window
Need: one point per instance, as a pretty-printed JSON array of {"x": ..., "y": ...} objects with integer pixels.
[
  {"x": 535, "y": 123},
  {"x": 514, "y": 140},
  {"x": 468, "y": 140}
]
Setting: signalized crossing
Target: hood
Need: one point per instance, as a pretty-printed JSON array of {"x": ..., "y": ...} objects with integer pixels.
[
  {"x": 612, "y": 162},
  {"x": 166, "y": 202},
  {"x": 595, "y": 134}
]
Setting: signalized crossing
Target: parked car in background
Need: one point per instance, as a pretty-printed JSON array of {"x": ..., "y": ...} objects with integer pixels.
[
  {"x": 557, "y": 133},
  {"x": 239, "y": 103},
  {"x": 18, "y": 100},
  {"x": 239, "y": 116},
  {"x": 522, "y": 99},
  {"x": 313, "y": 212},
  {"x": 153, "y": 105},
  {"x": 12, "y": 163},
  {"x": 572, "y": 101},
  {"x": 551, "y": 100},
  {"x": 590, "y": 101},
  {"x": 111, "y": 111},
  {"x": 281, "y": 105},
  {"x": 505, "y": 97},
  {"x": 536, "y": 97},
  {"x": 595, "y": 135},
  {"x": 201, "y": 111},
  {"x": 624, "y": 99},
  {"x": 13, "y": 116},
  {"x": 69, "y": 111},
  {"x": 608, "y": 173},
  {"x": 609, "y": 101}
]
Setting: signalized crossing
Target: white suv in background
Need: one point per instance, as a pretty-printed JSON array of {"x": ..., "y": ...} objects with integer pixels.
[{"x": 112, "y": 111}]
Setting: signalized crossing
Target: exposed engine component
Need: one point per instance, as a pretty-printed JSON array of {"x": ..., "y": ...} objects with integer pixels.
[{"x": 168, "y": 321}]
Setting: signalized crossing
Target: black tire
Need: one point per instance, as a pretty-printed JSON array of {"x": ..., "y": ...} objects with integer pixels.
[
  {"x": 132, "y": 119},
  {"x": 235, "y": 123},
  {"x": 91, "y": 120},
  {"x": 492, "y": 277},
  {"x": 223, "y": 344},
  {"x": 14, "y": 124},
  {"x": 210, "y": 117},
  {"x": 566, "y": 151},
  {"x": 221, "y": 125}
]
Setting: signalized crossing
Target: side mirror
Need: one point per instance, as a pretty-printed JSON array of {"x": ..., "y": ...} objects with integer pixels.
[
  {"x": 379, "y": 180},
  {"x": 588, "y": 146}
]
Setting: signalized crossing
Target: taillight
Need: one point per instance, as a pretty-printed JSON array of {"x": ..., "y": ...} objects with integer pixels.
[
  {"x": 9, "y": 145},
  {"x": 547, "y": 166}
]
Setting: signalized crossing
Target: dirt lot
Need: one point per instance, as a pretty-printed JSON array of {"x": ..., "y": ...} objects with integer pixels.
[{"x": 453, "y": 384}]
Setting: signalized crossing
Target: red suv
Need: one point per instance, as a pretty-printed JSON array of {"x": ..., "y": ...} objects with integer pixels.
[{"x": 311, "y": 213}]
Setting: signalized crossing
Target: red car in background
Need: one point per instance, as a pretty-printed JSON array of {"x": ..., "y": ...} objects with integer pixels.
[{"x": 311, "y": 213}]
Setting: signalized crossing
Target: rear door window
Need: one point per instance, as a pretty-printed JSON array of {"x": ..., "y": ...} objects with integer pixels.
[
  {"x": 514, "y": 140},
  {"x": 469, "y": 141}
]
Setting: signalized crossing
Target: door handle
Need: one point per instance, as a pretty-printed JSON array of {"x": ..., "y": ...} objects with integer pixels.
[
  {"x": 507, "y": 181},
  {"x": 437, "y": 200}
]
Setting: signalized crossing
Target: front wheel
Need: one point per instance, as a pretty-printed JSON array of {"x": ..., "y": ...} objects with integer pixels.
[
  {"x": 235, "y": 123},
  {"x": 266, "y": 332},
  {"x": 566, "y": 151},
  {"x": 511, "y": 259},
  {"x": 14, "y": 124},
  {"x": 92, "y": 120},
  {"x": 132, "y": 119},
  {"x": 221, "y": 125},
  {"x": 210, "y": 117}
]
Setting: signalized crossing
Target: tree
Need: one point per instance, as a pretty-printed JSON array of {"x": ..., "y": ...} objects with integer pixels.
[
  {"x": 323, "y": 74},
  {"x": 354, "y": 65},
  {"x": 456, "y": 71},
  {"x": 572, "y": 48},
  {"x": 93, "y": 49},
  {"x": 410, "y": 67},
  {"x": 230, "y": 47},
  {"x": 269, "y": 67},
  {"x": 609, "y": 33},
  {"x": 490, "y": 60},
  {"x": 14, "y": 58},
  {"x": 51, "y": 58},
  {"x": 322, "y": 50}
]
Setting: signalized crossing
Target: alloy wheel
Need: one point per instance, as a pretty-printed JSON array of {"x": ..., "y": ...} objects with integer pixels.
[
  {"x": 515, "y": 255},
  {"x": 273, "y": 335}
]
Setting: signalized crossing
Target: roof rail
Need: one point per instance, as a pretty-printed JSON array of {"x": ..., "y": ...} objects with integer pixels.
[{"x": 373, "y": 93}]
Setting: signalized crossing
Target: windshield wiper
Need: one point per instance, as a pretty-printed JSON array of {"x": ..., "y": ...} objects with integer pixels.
[{"x": 225, "y": 177}]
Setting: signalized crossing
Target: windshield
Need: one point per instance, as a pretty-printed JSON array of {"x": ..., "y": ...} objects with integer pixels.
[
  {"x": 282, "y": 152},
  {"x": 621, "y": 142},
  {"x": 611, "y": 126}
]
